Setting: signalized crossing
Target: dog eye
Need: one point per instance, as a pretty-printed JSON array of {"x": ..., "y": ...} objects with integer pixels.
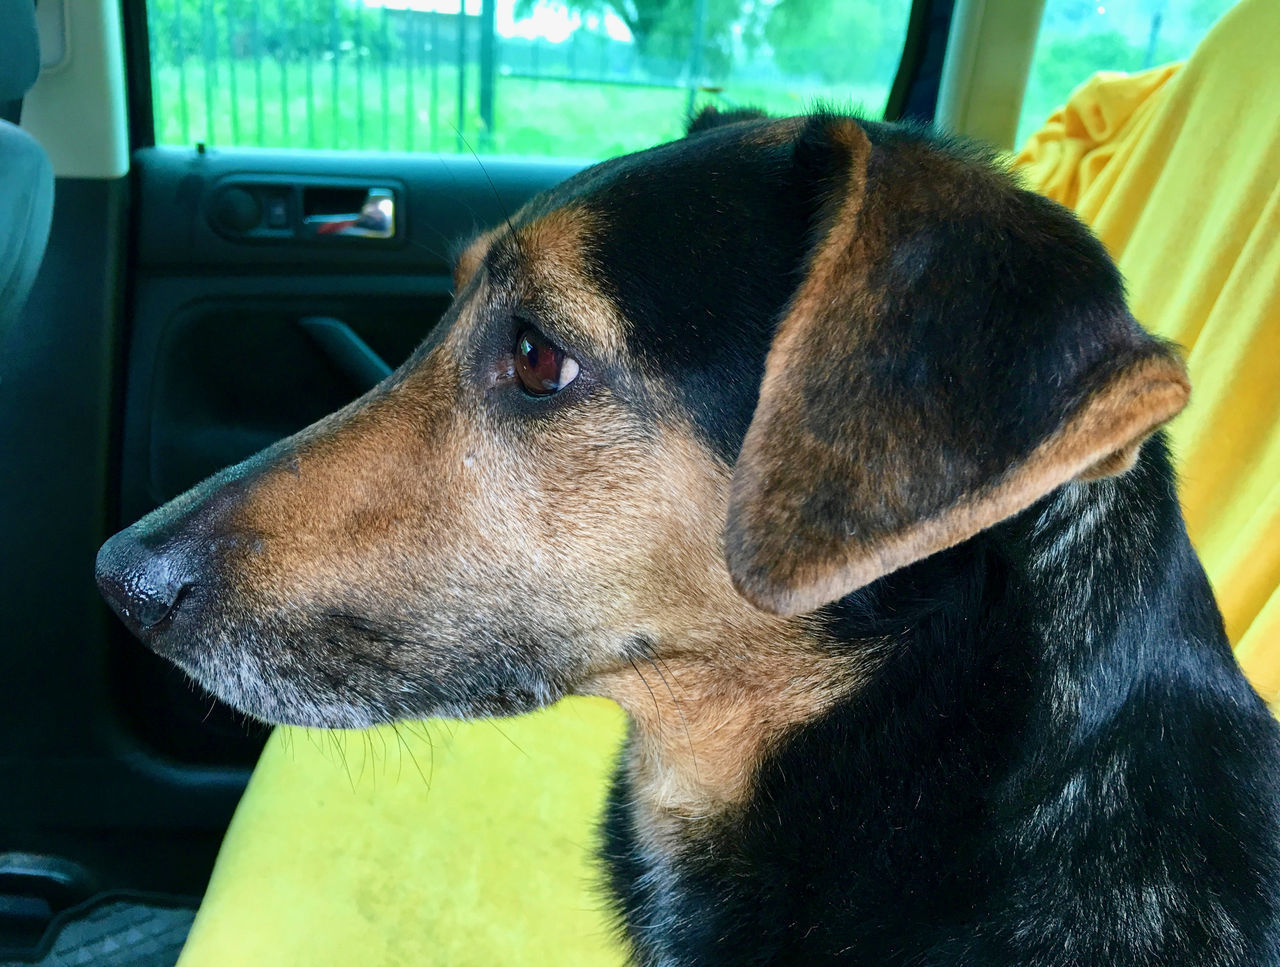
[{"x": 542, "y": 367}]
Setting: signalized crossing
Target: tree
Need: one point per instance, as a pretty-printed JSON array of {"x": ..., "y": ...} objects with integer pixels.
[
  {"x": 835, "y": 40},
  {"x": 664, "y": 30},
  {"x": 845, "y": 41},
  {"x": 285, "y": 29}
]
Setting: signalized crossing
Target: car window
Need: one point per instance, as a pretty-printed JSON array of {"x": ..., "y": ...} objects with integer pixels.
[
  {"x": 1081, "y": 37},
  {"x": 583, "y": 78}
]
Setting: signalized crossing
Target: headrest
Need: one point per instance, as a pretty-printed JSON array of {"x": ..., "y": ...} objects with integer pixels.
[{"x": 19, "y": 48}]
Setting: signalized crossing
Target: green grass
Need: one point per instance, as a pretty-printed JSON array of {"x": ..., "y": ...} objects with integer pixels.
[{"x": 243, "y": 103}]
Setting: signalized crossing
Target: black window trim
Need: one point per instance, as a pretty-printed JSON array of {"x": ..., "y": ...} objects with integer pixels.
[
  {"x": 914, "y": 94},
  {"x": 137, "y": 50}
]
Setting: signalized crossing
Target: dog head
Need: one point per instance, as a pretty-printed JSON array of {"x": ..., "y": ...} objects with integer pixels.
[{"x": 679, "y": 402}]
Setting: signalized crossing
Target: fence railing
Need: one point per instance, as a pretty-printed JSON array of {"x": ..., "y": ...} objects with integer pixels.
[{"x": 280, "y": 73}]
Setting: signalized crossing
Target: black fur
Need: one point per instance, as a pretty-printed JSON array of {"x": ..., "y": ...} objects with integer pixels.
[
  {"x": 1058, "y": 763},
  {"x": 702, "y": 333},
  {"x": 711, "y": 117}
]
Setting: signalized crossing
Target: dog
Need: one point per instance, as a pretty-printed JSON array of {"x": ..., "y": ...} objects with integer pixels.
[{"x": 833, "y": 457}]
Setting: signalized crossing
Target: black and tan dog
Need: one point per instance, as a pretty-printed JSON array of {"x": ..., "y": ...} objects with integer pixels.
[{"x": 848, "y": 442}]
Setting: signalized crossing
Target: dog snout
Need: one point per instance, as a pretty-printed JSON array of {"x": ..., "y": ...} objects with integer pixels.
[
  {"x": 143, "y": 584},
  {"x": 146, "y": 571}
]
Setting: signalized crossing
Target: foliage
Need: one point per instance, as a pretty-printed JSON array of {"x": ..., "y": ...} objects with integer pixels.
[
  {"x": 287, "y": 30},
  {"x": 665, "y": 30},
  {"x": 838, "y": 40},
  {"x": 1067, "y": 61},
  {"x": 851, "y": 41},
  {"x": 1203, "y": 14},
  {"x": 1071, "y": 46}
]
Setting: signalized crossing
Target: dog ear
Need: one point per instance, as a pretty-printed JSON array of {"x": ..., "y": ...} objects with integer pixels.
[{"x": 957, "y": 348}]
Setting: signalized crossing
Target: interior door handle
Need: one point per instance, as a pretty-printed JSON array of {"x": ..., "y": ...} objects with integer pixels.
[
  {"x": 347, "y": 351},
  {"x": 374, "y": 217}
]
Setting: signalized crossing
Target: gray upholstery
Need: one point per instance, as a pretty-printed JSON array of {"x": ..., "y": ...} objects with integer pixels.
[
  {"x": 26, "y": 206},
  {"x": 19, "y": 49},
  {"x": 26, "y": 179}
]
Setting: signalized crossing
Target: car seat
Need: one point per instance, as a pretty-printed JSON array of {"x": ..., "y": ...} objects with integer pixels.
[{"x": 26, "y": 178}]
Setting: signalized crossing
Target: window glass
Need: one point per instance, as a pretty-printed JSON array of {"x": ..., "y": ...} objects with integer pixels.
[
  {"x": 1080, "y": 37},
  {"x": 582, "y": 78}
]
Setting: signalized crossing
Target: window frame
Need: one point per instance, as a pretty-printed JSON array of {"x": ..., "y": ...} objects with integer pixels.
[{"x": 913, "y": 93}]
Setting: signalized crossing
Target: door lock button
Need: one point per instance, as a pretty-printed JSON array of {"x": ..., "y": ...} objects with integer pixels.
[
  {"x": 237, "y": 210},
  {"x": 277, "y": 211}
]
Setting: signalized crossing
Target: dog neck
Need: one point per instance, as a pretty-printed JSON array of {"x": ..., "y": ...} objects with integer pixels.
[
  {"x": 978, "y": 682},
  {"x": 701, "y": 721},
  {"x": 1119, "y": 595},
  {"x": 705, "y": 717}
]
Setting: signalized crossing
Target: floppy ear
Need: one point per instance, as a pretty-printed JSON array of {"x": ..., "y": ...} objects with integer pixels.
[{"x": 956, "y": 349}]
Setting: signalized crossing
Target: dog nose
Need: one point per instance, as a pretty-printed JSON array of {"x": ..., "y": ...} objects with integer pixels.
[{"x": 141, "y": 585}]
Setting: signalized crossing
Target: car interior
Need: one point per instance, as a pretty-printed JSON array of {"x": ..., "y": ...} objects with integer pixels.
[{"x": 182, "y": 284}]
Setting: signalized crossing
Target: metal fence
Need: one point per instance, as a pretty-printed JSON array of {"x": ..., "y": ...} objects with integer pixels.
[
  {"x": 393, "y": 75},
  {"x": 292, "y": 73}
]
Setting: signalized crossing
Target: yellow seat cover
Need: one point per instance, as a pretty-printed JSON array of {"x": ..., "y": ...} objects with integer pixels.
[{"x": 1178, "y": 171}]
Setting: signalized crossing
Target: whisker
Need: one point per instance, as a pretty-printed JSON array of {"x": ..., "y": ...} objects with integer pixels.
[
  {"x": 342, "y": 754},
  {"x": 679, "y": 711},
  {"x": 412, "y": 758},
  {"x": 442, "y": 256},
  {"x": 656, "y": 709},
  {"x": 508, "y": 738},
  {"x": 313, "y": 736},
  {"x": 395, "y": 729},
  {"x": 654, "y": 656},
  {"x": 506, "y": 215},
  {"x": 422, "y": 732},
  {"x": 371, "y": 755},
  {"x": 364, "y": 754},
  {"x": 460, "y": 196}
]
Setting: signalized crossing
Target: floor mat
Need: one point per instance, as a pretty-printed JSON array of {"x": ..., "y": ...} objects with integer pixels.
[{"x": 116, "y": 933}]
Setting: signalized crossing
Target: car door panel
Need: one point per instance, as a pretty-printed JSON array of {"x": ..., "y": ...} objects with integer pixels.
[
  {"x": 160, "y": 348},
  {"x": 220, "y": 363}
]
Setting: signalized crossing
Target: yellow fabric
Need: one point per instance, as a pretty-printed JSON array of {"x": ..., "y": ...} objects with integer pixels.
[
  {"x": 453, "y": 844},
  {"x": 1178, "y": 171},
  {"x": 490, "y": 862}
]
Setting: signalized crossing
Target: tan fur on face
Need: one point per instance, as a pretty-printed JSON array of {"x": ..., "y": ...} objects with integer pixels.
[
  {"x": 417, "y": 499},
  {"x": 726, "y": 682},
  {"x": 555, "y": 261},
  {"x": 471, "y": 258},
  {"x": 703, "y": 723}
]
